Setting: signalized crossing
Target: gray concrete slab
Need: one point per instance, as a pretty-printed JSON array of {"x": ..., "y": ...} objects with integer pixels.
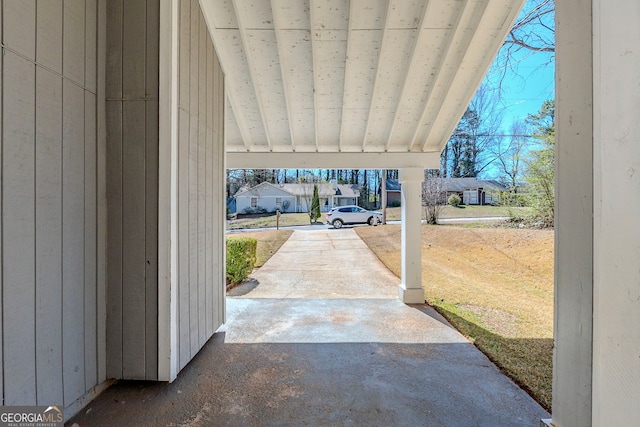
[
  {"x": 325, "y": 263},
  {"x": 310, "y": 357}
]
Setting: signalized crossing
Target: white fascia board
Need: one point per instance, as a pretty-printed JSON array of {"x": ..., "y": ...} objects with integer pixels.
[{"x": 429, "y": 160}]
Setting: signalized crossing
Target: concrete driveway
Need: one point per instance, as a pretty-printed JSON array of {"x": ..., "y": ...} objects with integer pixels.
[{"x": 319, "y": 338}]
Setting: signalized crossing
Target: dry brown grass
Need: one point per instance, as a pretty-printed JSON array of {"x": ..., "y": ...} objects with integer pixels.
[
  {"x": 269, "y": 241},
  {"x": 494, "y": 285}
]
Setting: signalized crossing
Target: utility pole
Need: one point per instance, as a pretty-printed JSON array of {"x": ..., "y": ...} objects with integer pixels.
[{"x": 383, "y": 196}]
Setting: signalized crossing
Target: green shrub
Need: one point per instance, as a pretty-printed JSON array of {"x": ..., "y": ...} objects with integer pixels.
[
  {"x": 454, "y": 200},
  {"x": 394, "y": 204},
  {"x": 241, "y": 258}
]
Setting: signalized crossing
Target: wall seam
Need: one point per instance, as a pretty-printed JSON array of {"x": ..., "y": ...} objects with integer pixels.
[
  {"x": 84, "y": 209},
  {"x": 35, "y": 202},
  {"x": 1, "y": 200},
  {"x": 96, "y": 196},
  {"x": 62, "y": 91},
  {"x": 145, "y": 191},
  {"x": 121, "y": 201}
]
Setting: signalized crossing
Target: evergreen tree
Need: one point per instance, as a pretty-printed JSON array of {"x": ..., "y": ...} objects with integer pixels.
[
  {"x": 540, "y": 164},
  {"x": 314, "y": 212}
]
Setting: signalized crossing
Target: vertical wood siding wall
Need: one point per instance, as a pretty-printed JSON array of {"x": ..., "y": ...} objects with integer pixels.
[
  {"x": 201, "y": 178},
  {"x": 52, "y": 269},
  {"x": 132, "y": 188}
]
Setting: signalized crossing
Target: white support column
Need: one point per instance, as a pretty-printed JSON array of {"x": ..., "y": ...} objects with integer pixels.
[
  {"x": 410, "y": 290},
  {"x": 572, "y": 370},
  {"x": 597, "y": 298},
  {"x": 616, "y": 191}
]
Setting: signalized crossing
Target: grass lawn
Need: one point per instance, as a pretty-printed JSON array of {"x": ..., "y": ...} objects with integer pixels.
[
  {"x": 465, "y": 212},
  {"x": 269, "y": 241},
  {"x": 393, "y": 214},
  {"x": 495, "y": 286},
  {"x": 286, "y": 219}
]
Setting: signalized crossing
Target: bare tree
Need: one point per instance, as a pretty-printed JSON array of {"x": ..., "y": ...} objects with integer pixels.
[
  {"x": 534, "y": 30},
  {"x": 469, "y": 150},
  {"x": 307, "y": 181},
  {"x": 510, "y": 155},
  {"x": 532, "y": 33},
  {"x": 433, "y": 196}
]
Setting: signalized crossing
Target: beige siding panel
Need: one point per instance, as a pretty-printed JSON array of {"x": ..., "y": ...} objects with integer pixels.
[
  {"x": 200, "y": 251},
  {"x": 203, "y": 37},
  {"x": 151, "y": 223},
  {"x": 210, "y": 221},
  {"x": 210, "y": 179},
  {"x": 193, "y": 234},
  {"x": 184, "y": 55},
  {"x": 153, "y": 48},
  {"x": 102, "y": 199},
  {"x": 48, "y": 237},
  {"x": 114, "y": 240},
  {"x": 183, "y": 239},
  {"x": 133, "y": 240},
  {"x": 133, "y": 49},
  {"x": 193, "y": 179},
  {"x": 18, "y": 221},
  {"x": 73, "y": 241},
  {"x": 194, "y": 38},
  {"x": 74, "y": 40},
  {"x": 90, "y": 241},
  {"x": 201, "y": 230},
  {"x": 49, "y": 34},
  {"x": 202, "y": 86},
  {"x": 91, "y": 45},
  {"x": 114, "y": 50},
  {"x": 217, "y": 120},
  {"x": 19, "y": 26},
  {"x": 1, "y": 256}
]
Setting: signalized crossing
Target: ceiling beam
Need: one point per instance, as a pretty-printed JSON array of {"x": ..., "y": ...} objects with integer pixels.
[
  {"x": 252, "y": 70},
  {"x": 229, "y": 62},
  {"x": 346, "y": 68},
  {"x": 412, "y": 60},
  {"x": 314, "y": 61},
  {"x": 276, "y": 6},
  {"x": 385, "y": 28},
  {"x": 448, "y": 79},
  {"x": 449, "y": 127},
  {"x": 242, "y": 160},
  {"x": 233, "y": 119}
]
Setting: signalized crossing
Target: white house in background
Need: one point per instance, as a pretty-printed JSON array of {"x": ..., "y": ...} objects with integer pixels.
[
  {"x": 473, "y": 191},
  {"x": 295, "y": 197},
  {"x": 267, "y": 196}
]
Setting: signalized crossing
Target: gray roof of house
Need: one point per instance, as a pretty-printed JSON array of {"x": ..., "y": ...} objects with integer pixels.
[
  {"x": 393, "y": 185},
  {"x": 461, "y": 184},
  {"x": 348, "y": 190},
  {"x": 324, "y": 189}
]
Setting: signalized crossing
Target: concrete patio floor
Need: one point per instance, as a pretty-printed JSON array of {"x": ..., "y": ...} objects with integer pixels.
[{"x": 319, "y": 338}]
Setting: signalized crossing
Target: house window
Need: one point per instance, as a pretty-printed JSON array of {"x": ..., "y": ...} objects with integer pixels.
[
  {"x": 278, "y": 202},
  {"x": 254, "y": 202}
]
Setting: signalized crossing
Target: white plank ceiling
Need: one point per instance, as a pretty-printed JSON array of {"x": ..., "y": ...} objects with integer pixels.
[{"x": 359, "y": 76}]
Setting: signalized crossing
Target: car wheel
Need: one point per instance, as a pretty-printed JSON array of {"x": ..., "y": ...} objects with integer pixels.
[
  {"x": 337, "y": 223},
  {"x": 370, "y": 221}
]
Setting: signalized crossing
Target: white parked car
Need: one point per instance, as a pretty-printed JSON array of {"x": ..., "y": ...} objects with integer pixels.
[{"x": 351, "y": 214}]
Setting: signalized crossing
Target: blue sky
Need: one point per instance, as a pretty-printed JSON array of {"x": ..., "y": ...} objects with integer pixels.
[
  {"x": 529, "y": 81},
  {"x": 525, "y": 89}
]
